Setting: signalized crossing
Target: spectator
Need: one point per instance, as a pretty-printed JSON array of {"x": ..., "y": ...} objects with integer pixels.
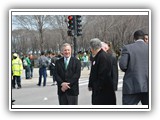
[
  {"x": 31, "y": 58},
  {"x": 146, "y": 38},
  {"x": 134, "y": 62},
  {"x": 27, "y": 64},
  {"x": 114, "y": 73},
  {"x": 43, "y": 64},
  {"x": 52, "y": 68},
  {"x": 85, "y": 61},
  {"x": 100, "y": 81}
]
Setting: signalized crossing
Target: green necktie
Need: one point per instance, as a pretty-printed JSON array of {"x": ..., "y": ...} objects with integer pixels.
[{"x": 66, "y": 63}]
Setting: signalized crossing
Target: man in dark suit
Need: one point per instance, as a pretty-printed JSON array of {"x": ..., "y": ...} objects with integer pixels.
[
  {"x": 134, "y": 62},
  {"x": 114, "y": 72},
  {"x": 68, "y": 70},
  {"x": 100, "y": 80}
]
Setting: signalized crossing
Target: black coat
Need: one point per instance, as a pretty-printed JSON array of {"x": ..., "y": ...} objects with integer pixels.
[
  {"x": 114, "y": 71},
  {"x": 71, "y": 75},
  {"x": 100, "y": 80}
]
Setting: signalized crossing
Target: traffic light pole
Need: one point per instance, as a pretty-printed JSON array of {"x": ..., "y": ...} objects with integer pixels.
[
  {"x": 75, "y": 37},
  {"x": 74, "y": 29},
  {"x": 75, "y": 46}
]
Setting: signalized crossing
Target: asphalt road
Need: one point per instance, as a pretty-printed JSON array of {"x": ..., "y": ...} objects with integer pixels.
[{"x": 31, "y": 94}]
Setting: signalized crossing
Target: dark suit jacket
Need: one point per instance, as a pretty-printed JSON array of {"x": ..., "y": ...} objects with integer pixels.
[
  {"x": 134, "y": 62},
  {"x": 114, "y": 71},
  {"x": 100, "y": 80},
  {"x": 71, "y": 75}
]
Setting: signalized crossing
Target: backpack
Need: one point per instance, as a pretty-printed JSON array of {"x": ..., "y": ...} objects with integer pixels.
[
  {"x": 43, "y": 63},
  {"x": 25, "y": 63}
]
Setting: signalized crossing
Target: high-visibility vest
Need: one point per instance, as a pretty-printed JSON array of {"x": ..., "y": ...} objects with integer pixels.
[{"x": 17, "y": 67}]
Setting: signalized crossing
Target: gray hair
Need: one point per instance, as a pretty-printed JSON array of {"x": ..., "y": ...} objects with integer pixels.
[
  {"x": 64, "y": 45},
  {"x": 95, "y": 44}
]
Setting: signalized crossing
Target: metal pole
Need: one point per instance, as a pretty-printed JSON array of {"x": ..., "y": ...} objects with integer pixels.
[
  {"x": 75, "y": 35},
  {"x": 75, "y": 45}
]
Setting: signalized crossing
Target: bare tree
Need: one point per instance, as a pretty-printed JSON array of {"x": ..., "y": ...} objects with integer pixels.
[
  {"x": 33, "y": 22},
  {"x": 44, "y": 32}
]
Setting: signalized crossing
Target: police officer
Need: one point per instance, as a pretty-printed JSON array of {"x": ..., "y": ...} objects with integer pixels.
[{"x": 17, "y": 68}]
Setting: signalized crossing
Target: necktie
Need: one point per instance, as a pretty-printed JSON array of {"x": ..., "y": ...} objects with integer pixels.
[{"x": 66, "y": 63}]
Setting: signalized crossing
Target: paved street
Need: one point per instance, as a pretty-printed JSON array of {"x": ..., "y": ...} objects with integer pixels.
[{"x": 31, "y": 94}]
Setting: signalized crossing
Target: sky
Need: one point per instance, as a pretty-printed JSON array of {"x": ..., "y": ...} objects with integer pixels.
[{"x": 82, "y": 4}]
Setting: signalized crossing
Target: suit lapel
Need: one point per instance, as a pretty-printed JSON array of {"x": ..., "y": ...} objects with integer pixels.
[
  {"x": 70, "y": 63},
  {"x": 62, "y": 63}
]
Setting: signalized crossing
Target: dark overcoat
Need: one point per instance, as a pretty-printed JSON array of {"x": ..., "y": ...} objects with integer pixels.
[{"x": 100, "y": 80}]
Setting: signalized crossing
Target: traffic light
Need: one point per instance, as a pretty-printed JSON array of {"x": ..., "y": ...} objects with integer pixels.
[
  {"x": 70, "y": 33},
  {"x": 79, "y": 25},
  {"x": 71, "y": 25}
]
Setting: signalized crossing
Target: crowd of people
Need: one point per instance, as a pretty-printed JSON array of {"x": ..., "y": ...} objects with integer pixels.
[{"x": 103, "y": 77}]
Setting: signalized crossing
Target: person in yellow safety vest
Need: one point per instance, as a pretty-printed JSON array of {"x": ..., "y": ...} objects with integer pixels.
[{"x": 17, "y": 68}]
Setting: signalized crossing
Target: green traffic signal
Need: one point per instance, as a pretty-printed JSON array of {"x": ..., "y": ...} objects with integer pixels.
[{"x": 79, "y": 25}]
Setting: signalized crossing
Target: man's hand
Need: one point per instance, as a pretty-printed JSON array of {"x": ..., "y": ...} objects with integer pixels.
[{"x": 65, "y": 86}]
